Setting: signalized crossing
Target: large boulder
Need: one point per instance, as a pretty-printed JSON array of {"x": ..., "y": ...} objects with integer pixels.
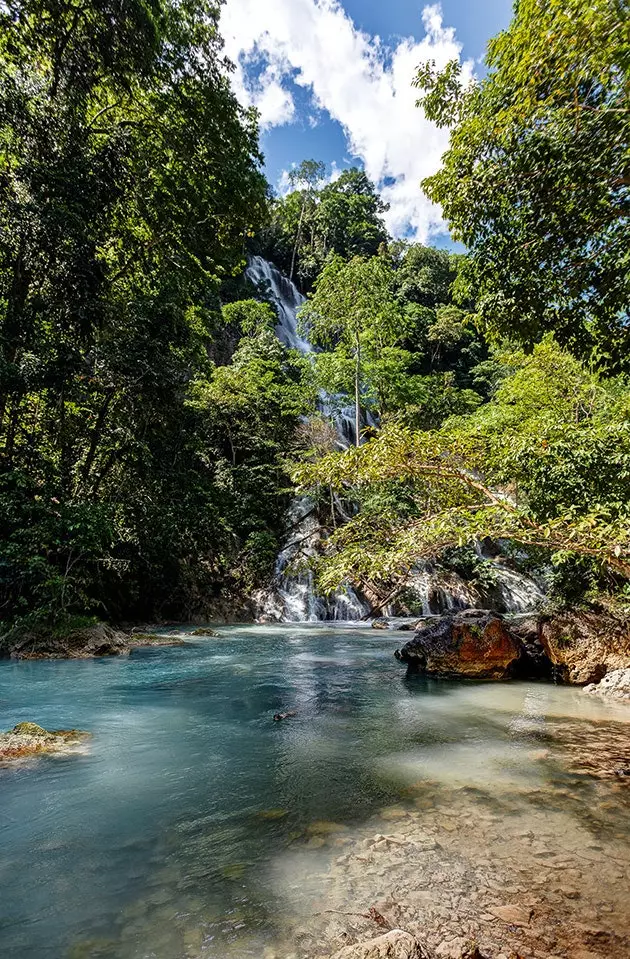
[
  {"x": 473, "y": 643},
  {"x": 585, "y": 645},
  {"x": 395, "y": 944},
  {"x": 97, "y": 640}
]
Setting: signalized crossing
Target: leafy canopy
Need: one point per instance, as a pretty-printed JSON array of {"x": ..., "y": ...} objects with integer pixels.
[{"x": 536, "y": 181}]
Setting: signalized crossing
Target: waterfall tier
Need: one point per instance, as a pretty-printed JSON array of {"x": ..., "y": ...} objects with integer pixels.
[{"x": 293, "y": 597}]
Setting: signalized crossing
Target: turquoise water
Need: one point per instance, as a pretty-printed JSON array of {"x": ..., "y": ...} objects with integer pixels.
[{"x": 159, "y": 841}]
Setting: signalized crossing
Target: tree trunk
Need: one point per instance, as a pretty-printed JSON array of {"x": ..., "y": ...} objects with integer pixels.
[
  {"x": 357, "y": 394},
  {"x": 297, "y": 239}
]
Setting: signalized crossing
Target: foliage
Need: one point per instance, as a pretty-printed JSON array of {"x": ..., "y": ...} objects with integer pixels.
[
  {"x": 545, "y": 463},
  {"x": 314, "y": 221},
  {"x": 536, "y": 182},
  {"x": 130, "y": 178}
]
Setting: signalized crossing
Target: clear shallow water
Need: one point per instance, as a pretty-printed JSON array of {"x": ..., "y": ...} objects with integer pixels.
[{"x": 182, "y": 831}]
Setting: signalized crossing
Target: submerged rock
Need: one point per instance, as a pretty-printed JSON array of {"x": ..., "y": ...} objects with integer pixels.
[
  {"x": 140, "y": 640},
  {"x": 473, "y": 643},
  {"x": 28, "y": 739},
  {"x": 614, "y": 685},
  {"x": 395, "y": 944}
]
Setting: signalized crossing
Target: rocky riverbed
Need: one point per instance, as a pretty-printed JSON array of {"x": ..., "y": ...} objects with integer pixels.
[{"x": 497, "y": 870}]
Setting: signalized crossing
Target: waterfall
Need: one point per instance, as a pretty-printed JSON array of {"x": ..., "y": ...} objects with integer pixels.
[{"x": 293, "y": 597}]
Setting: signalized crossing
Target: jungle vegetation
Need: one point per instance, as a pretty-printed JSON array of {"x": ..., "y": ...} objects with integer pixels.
[{"x": 152, "y": 426}]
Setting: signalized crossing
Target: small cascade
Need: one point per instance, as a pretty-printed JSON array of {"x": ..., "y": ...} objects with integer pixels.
[
  {"x": 293, "y": 597},
  {"x": 435, "y": 591}
]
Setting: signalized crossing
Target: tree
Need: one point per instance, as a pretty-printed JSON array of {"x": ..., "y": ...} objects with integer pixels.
[
  {"x": 130, "y": 177},
  {"x": 343, "y": 217},
  {"x": 546, "y": 463},
  {"x": 536, "y": 180},
  {"x": 305, "y": 178},
  {"x": 354, "y": 314}
]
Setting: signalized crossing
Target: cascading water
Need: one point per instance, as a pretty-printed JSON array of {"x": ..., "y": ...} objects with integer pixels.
[{"x": 294, "y": 598}]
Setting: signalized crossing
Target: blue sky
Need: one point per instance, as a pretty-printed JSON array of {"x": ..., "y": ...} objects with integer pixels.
[{"x": 332, "y": 81}]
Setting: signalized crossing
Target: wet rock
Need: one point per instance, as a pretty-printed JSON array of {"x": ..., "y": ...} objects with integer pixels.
[
  {"x": 278, "y": 717},
  {"x": 393, "y": 945},
  {"x": 204, "y": 631},
  {"x": 473, "y": 643},
  {"x": 585, "y": 645},
  {"x": 140, "y": 640},
  {"x": 97, "y": 640},
  {"x": 28, "y": 739},
  {"x": 614, "y": 685},
  {"x": 513, "y": 915}
]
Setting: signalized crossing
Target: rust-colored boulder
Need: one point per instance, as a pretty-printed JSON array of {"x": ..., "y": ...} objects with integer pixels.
[{"x": 474, "y": 643}]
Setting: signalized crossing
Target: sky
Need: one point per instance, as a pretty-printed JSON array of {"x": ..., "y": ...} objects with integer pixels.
[{"x": 332, "y": 81}]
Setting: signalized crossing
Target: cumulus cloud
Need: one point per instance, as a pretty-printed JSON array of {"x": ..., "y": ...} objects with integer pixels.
[{"x": 357, "y": 80}]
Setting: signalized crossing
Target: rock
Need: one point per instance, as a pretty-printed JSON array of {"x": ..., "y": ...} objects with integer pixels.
[
  {"x": 393, "y": 945},
  {"x": 140, "y": 640},
  {"x": 474, "y": 643},
  {"x": 204, "y": 631},
  {"x": 513, "y": 915},
  {"x": 97, "y": 640},
  {"x": 585, "y": 645},
  {"x": 380, "y": 623},
  {"x": 459, "y": 949},
  {"x": 614, "y": 685},
  {"x": 280, "y": 716},
  {"x": 28, "y": 739}
]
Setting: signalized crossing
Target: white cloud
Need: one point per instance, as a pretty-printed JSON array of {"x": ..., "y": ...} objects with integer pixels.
[{"x": 362, "y": 84}]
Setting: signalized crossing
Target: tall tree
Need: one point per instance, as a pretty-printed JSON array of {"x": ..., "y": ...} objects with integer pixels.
[
  {"x": 536, "y": 181},
  {"x": 130, "y": 177},
  {"x": 354, "y": 314},
  {"x": 305, "y": 179}
]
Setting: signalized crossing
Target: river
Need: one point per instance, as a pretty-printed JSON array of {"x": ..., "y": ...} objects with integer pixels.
[{"x": 196, "y": 825}]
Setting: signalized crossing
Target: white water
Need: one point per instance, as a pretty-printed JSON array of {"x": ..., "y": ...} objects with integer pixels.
[{"x": 293, "y": 598}]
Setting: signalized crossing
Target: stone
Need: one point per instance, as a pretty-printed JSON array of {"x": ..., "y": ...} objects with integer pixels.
[
  {"x": 395, "y": 944},
  {"x": 513, "y": 915},
  {"x": 28, "y": 740},
  {"x": 476, "y": 644},
  {"x": 614, "y": 685},
  {"x": 585, "y": 645},
  {"x": 90, "y": 641},
  {"x": 460, "y": 948},
  {"x": 204, "y": 631}
]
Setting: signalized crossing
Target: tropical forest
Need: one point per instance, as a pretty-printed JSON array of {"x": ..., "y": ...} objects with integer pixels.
[{"x": 314, "y": 479}]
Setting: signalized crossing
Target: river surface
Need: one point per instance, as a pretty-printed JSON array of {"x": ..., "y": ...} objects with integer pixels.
[{"x": 195, "y": 825}]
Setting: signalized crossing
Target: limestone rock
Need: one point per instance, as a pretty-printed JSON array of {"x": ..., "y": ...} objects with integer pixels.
[
  {"x": 513, "y": 915},
  {"x": 97, "y": 640},
  {"x": 475, "y": 643},
  {"x": 393, "y": 945},
  {"x": 614, "y": 685},
  {"x": 585, "y": 645},
  {"x": 28, "y": 739},
  {"x": 458, "y": 949}
]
